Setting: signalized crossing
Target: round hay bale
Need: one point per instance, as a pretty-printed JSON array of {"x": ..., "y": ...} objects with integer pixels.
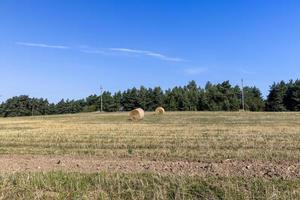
[
  {"x": 137, "y": 114},
  {"x": 160, "y": 110}
]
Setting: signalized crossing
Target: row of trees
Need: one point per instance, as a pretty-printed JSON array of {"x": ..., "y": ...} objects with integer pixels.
[
  {"x": 284, "y": 96},
  {"x": 213, "y": 97}
]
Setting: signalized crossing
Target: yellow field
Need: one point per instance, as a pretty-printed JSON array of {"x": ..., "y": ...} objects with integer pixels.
[
  {"x": 173, "y": 136},
  {"x": 179, "y": 155}
]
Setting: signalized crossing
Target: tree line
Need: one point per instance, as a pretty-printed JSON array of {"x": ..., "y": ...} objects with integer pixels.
[{"x": 213, "y": 97}]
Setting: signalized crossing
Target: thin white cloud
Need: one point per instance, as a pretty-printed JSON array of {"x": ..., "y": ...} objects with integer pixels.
[
  {"x": 195, "y": 71},
  {"x": 127, "y": 50},
  {"x": 106, "y": 51},
  {"x": 147, "y": 53},
  {"x": 29, "y": 44},
  {"x": 99, "y": 51}
]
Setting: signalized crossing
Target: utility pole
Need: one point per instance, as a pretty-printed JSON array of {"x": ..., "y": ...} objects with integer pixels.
[
  {"x": 243, "y": 97},
  {"x": 32, "y": 111},
  {"x": 101, "y": 100}
]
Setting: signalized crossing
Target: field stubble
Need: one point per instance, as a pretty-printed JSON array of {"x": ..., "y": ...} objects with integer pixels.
[
  {"x": 175, "y": 136},
  {"x": 184, "y": 153}
]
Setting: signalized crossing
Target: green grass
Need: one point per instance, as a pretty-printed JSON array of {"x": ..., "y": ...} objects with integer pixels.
[{"x": 61, "y": 185}]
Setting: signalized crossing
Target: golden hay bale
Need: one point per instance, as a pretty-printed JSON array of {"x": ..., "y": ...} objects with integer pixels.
[
  {"x": 160, "y": 110},
  {"x": 137, "y": 114}
]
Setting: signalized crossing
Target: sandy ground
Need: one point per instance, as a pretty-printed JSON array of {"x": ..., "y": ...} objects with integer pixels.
[{"x": 34, "y": 163}]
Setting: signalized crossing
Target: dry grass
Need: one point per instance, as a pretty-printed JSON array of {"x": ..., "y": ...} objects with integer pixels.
[
  {"x": 267, "y": 142},
  {"x": 174, "y": 136},
  {"x": 61, "y": 185}
]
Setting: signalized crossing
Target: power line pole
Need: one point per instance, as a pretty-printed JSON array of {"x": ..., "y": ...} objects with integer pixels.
[
  {"x": 243, "y": 97},
  {"x": 32, "y": 111},
  {"x": 101, "y": 100}
]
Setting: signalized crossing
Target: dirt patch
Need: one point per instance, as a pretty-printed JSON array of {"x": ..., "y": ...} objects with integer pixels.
[{"x": 88, "y": 164}]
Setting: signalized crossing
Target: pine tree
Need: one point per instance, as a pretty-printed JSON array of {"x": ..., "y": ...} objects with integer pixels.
[
  {"x": 193, "y": 95},
  {"x": 143, "y": 98},
  {"x": 276, "y": 96},
  {"x": 253, "y": 99},
  {"x": 292, "y": 96}
]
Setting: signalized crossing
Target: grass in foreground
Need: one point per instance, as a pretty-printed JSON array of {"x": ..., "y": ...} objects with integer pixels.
[{"x": 60, "y": 185}]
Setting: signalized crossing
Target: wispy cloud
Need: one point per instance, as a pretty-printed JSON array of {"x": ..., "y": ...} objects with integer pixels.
[
  {"x": 41, "y": 45},
  {"x": 106, "y": 51},
  {"x": 147, "y": 53},
  {"x": 195, "y": 71}
]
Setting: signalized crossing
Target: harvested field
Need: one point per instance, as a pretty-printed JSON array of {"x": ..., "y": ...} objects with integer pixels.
[
  {"x": 92, "y": 164},
  {"x": 241, "y": 150}
]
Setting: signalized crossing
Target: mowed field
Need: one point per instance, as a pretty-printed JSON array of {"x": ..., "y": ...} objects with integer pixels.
[{"x": 179, "y": 155}]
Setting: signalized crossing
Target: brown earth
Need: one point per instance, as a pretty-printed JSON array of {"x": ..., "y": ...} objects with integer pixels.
[{"x": 90, "y": 164}]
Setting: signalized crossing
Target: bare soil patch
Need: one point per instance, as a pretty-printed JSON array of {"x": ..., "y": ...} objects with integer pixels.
[{"x": 90, "y": 164}]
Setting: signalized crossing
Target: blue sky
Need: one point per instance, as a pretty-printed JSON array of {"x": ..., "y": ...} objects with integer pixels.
[{"x": 67, "y": 48}]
